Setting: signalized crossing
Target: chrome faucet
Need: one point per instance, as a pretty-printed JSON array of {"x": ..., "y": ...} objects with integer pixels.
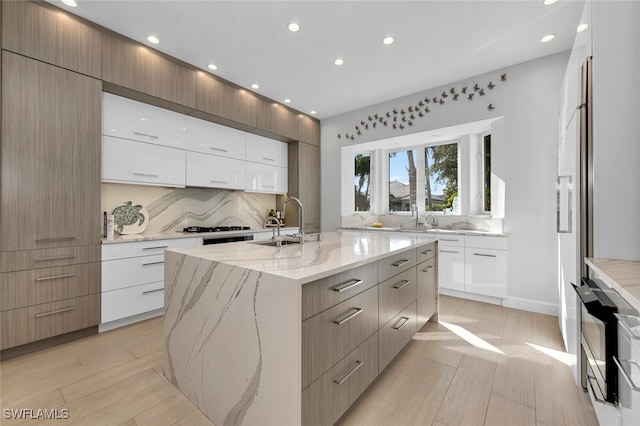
[
  {"x": 300, "y": 236},
  {"x": 271, "y": 219},
  {"x": 434, "y": 221},
  {"x": 414, "y": 208}
]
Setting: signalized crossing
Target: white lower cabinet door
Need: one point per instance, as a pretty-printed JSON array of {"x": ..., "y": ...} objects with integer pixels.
[
  {"x": 451, "y": 267},
  {"x": 266, "y": 178},
  {"x": 131, "y": 301},
  {"x": 125, "y": 161},
  {"x": 212, "y": 171},
  {"x": 121, "y": 273},
  {"x": 486, "y": 272}
]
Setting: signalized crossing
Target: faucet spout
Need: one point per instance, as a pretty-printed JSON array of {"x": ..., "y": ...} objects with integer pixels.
[{"x": 300, "y": 216}]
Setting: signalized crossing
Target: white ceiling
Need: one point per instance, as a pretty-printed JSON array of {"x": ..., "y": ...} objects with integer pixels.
[{"x": 436, "y": 42}]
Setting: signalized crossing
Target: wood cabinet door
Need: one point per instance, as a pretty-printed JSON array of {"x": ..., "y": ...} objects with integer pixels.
[
  {"x": 221, "y": 99},
  {"x": 50, "y": 194},
  {"x": 275, "y": 118},
  {"x": 427, "y": 278},
  {"x": 304, "y": 183}
]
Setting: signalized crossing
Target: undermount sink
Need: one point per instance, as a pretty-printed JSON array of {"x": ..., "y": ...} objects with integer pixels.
[{"x": 274, "y": 243}]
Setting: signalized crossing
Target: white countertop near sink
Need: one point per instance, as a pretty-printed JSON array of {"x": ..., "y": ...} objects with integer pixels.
[
  {"x": 178, "y": 234},
  {"x": 621, "y": 275},
  {"x": 429, "y": 231}
]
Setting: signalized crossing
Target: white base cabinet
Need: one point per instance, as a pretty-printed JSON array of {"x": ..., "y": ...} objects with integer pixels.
[
  {"x": 451, "y": 262},
  {"x": 486, "y": 272}
]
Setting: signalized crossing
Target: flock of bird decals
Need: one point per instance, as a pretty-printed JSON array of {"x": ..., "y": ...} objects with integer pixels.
[{"x": 406, "y": 117}]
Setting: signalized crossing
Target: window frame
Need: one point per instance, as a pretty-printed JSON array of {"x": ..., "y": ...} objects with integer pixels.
[{"x": 482, "y": 179}]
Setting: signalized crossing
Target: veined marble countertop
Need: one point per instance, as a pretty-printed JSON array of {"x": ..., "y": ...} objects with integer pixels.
[
  {"x": 621, "y": 275},
  {"x": 178, "y": 234},
  {"x": 429, "y": 231},
  {"x": 336, "y": 252}
]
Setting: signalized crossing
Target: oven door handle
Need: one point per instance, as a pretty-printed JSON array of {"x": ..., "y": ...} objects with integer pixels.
[{"x": 627, "y": 375}]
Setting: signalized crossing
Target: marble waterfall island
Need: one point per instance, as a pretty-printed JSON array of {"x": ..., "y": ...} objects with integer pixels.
[{"x": 233, "y": 319}]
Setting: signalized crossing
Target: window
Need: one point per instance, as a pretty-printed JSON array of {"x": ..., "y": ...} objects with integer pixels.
[
  {"x": 362, "y": 181},
  {"x": 486, "y": 172},
  {"x": 441, "y": 176},
  {"x": 402, "y": 180}
]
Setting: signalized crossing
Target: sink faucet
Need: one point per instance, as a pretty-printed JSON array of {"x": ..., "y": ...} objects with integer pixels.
[
  {"x": 414, "y": 208},
  {"x": 434, "y": 221},
  {"x": 300, "y": 217},
  {"x": 271, "y": 219}
]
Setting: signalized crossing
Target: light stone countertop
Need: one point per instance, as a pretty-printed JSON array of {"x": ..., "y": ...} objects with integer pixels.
[
  {"x": 429, "y": 231},
  {"x": 336, "y": 252},
  {"x": 178, "y": 234},
  {"x": 621, "y": 275}
]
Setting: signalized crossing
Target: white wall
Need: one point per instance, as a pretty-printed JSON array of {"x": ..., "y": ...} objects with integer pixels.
[{"x": 529, "y": 102}]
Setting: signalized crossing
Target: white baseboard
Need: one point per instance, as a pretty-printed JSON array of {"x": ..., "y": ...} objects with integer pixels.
[
  {"x": 470, "y": 296},
  {"x": 130, "y": 320},
  {"x": 531, "y": 306}
]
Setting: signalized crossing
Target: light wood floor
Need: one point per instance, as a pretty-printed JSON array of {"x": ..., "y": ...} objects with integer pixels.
[{"x": 482, "y": 365}]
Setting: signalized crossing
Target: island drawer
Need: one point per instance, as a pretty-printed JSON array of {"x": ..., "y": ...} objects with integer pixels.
[
  {"x": 395, "y": 334},
  {"x": 395, "y": 294},
  {"x": 327, "y": 292},
  {"x": 326, "y": 399},
  {"x": 330, "y": 335},
  {"x": 393, "y": 265},
  {"x": 426, "y": 252}
]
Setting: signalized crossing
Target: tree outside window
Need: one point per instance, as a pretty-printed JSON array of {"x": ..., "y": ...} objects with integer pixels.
[
  {"x": 441, "y": 176},
  {"x": 362, "y": 180}
]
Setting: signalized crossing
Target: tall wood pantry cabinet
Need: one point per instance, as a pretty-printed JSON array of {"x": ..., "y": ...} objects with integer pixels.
[{"x": 49, "y": 201}]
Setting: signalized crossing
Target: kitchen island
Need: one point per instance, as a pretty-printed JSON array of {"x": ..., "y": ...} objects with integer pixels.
[{"x": 253, "y": 333}]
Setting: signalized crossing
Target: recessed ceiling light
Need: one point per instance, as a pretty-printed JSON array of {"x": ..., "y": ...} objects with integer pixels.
[
  {"x": 71, "y": 3},
  {"x": 582, "y": 27},
  {"x": 287, "y": 101},
  {"x": 255, "y": 86},
  {"x": 387, "y": 40},
  {"x": 312, "y": 112},
  {"x": 153, "y": 39},
  {"x": 293, "y": 27},
  {"x": 548, "y": 2},
  {"x": 212, "y": 67},
  {"x": 547, "y": 38},
  {"x": 338, "y": 61}
]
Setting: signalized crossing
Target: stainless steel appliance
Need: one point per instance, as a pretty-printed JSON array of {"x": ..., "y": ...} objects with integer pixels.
[{"x": 219, "y": 239}]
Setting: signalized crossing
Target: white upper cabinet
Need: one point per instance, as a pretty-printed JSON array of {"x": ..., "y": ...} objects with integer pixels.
[
  {"x": 266, "y": 178},
  {"x": 210, "y": 138},
  {"x": 266, "y": 151},
  {"x": 128, "y": 119},
  {"x": 213, "y": 171}
]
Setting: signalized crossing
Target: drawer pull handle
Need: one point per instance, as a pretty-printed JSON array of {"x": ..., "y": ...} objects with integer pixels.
[
  {"x": 154, "y": 248},
  {"x": 352, "y": 315},
  {"x": 427, "y": 269},
  {"x": 268, "y": 186},
  {"x": 402, "y": 321},
  {"x": 348, "y": 285},
  {"x": 55, "y": 277},
  {"x": 268, "y": 159},
  {"x": 153, "y": 291},
  {"x": 400, "y": 262},
  {"x": 346, "y": 376},
  {"x": 153, "y": 263},
  {"x": 59, "y": 311},
  {"x": 50, "y": 240},
  {"x": 145, "y": 135},
  {"x": 145, "y": 174},
  {"x": 219, "y": 181},
  {"x": 218, "y": 149},
  {"x": 44, "y": 259},
  {"x": 449, "y": 251},
  {"x": 619, "y": 360},
  {"x": 484, "y": 255},
  {"x": 401, "y": 284},
  {"x": 455, "y": 240},
  {"x": 427, "y": 251}
]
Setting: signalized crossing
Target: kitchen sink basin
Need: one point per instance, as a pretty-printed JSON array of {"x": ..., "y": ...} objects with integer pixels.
[{"x": 272, "y": 243}]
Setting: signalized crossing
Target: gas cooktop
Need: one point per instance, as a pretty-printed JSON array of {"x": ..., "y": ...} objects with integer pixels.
[{"x": 200, "y": 229}]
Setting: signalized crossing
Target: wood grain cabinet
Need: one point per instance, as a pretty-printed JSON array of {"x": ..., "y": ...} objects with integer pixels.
[
  {"x": 427, "y": 288},
  {"x": 304, "y": 183},
  {"x": 224, "y": 100}
]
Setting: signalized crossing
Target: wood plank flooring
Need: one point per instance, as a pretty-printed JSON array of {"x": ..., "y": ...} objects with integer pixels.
[{"x": 481, "y": 365}]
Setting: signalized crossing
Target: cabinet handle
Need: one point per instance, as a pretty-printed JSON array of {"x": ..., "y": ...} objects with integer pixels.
[
  {"x": 43, "y": 259},
  {"x": 153, "y": 263},
  {"x": 402, "y": 320},
  {"x": 628, "y": 379},
  {"x": 346, "y": 376},
  {"x": 154, "y": 248},
  {"x": 268, "y": 159},
  {"x": 55, "y": 277},
  {"x": 401, "y": 284},
  {"x": 348, "y": 285},
  {"x": 400, "y": 262},
  {"x": 348, "y": 317},
  {"x": 153, "y": 291},
  {"x": 484, "y": 255},
  {"x": 449, "y": 251},
  {"x": 145, "y": 174},
  {"x": 455, "y": 240},
  {"x": 218, "y": 181},
  {"x": 427, "y": 269},
  {"x": 427, "y": 251},
  {"x": 213, "y": 148},
  {"x": 59, "y": 311},
  {"x": 268, "y": 186},
  {"x": 145, "y": 135},
  {"x": 49, "y": 240}
]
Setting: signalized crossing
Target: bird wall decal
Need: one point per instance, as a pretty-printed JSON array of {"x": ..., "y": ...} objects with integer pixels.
[
  {"x": 481, "y": 92},
  {"x": 503, "y": 77},
  {"x": 470, "y": 97},
  {"x": 490, "y": 107},
  {"x": 476, "y": 87},
  {"x": 444, "y": 95},
  {"x": 420, "y": 104},
  {"x": 413, "y": 117},
  {"x": 339, "y": 135},
  {"x": 452, "y": 90},
  {"x": 420, "y": 114},
  {"x": 375, "y": 124},
  {"x": 441, "y": 102},
  {"x": 352, "y": 137},
  {"x": 410, "y": 123},
  {"x": 491, "y": 85},
  {"x": 388, "y": 115},
  {"x": 410, "y": 109},
  {"x": 427, "y": 110},
  {"x": 464, "y": 90},
  {"x": 455, "y": 96}
]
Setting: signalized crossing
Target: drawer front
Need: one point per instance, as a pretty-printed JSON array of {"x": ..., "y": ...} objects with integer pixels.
[
  {"x": 497, "y": 243},
  {"x": 327, "y": 292},
  {"x": 326, "y": 399},
  {"x": 395, "y": 334},
  {"x": 37, "y": 286},
  {"x": 393, "y": 265},
  {"x": 451, "y": 240},
  {"x": 266, "y": 151},
  {"x": 451, "y": 267},
  {"x": 47, "y": 258},
  {"x": 130, "y": 301},
  {"x": 426, "y": 252},
  {"x": 122, "y": 273},
  {"x": 212, "y": 171},
  {"x": 144, "y": 248},
  {"x": 265, "y": 178},
  {"x": 25, "y": 325},
  {"x": 330, "y": 335},
  {"x": 210, "y": 138},
  {"x": 427, "y": 279},
  {"x": 395, "y": 294},
  {"x": 486, "y": 272}
]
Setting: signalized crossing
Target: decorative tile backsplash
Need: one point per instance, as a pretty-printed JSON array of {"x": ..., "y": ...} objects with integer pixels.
[{"x": 171, "y": 209}]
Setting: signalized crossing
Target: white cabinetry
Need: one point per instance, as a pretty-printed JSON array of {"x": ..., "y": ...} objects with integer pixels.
[
  {"x": 214, "y": 171},
  {"x": 628, "y": 364},
  {"x": 210, "y": 138},
  {"x": 266, "y": 165},
  {"x": 486, "y": 266},
  {"x": 266, "y": 151},
  {"x": 133, "y": 280},
  {"x": 451, "y": 262}
]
